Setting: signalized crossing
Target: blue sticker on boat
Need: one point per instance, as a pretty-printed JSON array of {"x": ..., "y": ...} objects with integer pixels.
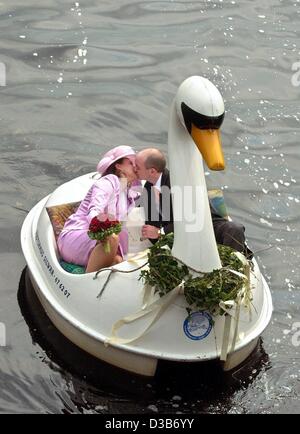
[{"x": 197, "y": 325}]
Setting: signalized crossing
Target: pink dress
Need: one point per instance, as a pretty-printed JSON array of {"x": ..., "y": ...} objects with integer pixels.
[{"x": 106, "y": 195}]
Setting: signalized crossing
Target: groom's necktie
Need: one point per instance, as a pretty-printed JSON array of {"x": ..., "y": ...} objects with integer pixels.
[
  {"x": 155, "y": 204},
  {"x": 156, "y": 196}
]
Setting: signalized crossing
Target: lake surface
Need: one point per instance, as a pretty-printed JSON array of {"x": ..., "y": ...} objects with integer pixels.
[{"x": 84, "y": 77}]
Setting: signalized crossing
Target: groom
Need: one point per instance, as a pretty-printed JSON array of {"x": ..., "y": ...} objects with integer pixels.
[{"x": 157, "y": 202}]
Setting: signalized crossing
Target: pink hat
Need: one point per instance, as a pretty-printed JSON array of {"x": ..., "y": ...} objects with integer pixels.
[{"x": 114, "y": 155}]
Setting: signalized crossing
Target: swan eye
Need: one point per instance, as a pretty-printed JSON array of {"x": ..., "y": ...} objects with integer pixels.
[{"x": 203, "y": 122}]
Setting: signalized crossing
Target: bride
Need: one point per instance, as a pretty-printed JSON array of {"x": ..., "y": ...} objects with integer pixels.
[{"x": 111, "y": 194}]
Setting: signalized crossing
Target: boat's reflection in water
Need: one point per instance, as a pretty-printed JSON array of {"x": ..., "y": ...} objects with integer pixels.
[{"x": 191, "y": 382}]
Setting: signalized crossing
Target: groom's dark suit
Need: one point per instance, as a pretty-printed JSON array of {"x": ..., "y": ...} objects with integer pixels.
[{"x": 161, "y": 215}]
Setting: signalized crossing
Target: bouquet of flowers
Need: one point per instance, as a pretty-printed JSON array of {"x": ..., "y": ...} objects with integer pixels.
[{"x": 101, "y": 227}]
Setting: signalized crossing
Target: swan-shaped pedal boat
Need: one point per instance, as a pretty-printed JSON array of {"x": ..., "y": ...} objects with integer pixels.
[{"x": 124, "y": 326}]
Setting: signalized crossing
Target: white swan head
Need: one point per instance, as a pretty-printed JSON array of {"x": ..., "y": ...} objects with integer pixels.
[{"x": 200, "y": 108}]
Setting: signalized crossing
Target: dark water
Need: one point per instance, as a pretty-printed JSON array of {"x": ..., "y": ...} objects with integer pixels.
[{"x": 81, "y": 78}]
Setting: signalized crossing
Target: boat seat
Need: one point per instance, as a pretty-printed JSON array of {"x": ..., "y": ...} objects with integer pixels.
[
  {"x": 216, "y": 198},
  {"x": 72, "y": 268},
  {"x": 58, "y": 215}
]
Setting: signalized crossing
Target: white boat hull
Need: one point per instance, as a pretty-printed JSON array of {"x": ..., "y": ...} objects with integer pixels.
[
  {"x": 135, "y": 363},
  {"x": 71, "y": 303}
]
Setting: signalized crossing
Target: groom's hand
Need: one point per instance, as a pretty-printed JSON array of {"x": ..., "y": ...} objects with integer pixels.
[{"x": 149, "y": 231}]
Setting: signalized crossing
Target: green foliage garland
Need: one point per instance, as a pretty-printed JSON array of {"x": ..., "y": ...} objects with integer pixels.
[{"x": 203, "y": 292}]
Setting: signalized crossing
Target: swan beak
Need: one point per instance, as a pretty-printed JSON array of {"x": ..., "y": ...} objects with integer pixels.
[{"x": 209, "y": 144}]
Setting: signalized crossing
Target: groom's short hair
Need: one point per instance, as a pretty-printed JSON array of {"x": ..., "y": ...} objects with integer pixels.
[{"x": 156, "y": 159}]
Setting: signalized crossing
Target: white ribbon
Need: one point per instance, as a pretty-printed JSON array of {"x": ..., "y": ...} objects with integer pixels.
[
  {"x": 138, "y": 256},
  {"x": 148, "y": 295},
  {"x": 243, "y": 297},
  {"x": 157, "y": 307}
]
